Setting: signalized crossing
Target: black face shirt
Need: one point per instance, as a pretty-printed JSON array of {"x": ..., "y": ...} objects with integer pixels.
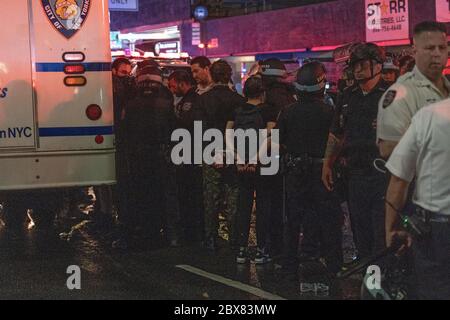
[{"x": 304, "y": 127}]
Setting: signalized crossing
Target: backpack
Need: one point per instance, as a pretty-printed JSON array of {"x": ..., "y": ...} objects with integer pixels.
[{"x": 248, "y": 118}]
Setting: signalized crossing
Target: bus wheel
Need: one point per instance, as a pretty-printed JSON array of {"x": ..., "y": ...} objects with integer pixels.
[
  {"x": 45, "y": 210},
  {"x": 14, "y": 215}
]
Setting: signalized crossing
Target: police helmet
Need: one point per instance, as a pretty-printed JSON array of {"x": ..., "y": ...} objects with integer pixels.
[
  {"x": 311, "y": 78},
  {"x": 391, "y": 64},
  {"x": 273, "y": 67},
  {"x": 149, "y": 73},
  {"x": 147, "y": 63},
  {"x": 366, "y": 51}
]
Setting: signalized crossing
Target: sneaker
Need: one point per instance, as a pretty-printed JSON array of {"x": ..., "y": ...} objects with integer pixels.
[
  {"x": 174, "y": 243},
  {"x": 211, "y": 243},
  {"x": 120, "y": 244},
  {"x": 262, "y": 257},
  {"x": 242, "y": 256},
  {"x": 314, "y": 288}
]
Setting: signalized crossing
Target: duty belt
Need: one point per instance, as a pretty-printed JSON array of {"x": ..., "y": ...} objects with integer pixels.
[
  {"x": 305, "y": 158},
  {"x": 428, "y": 216},
  {"x": 317, "y": 160}
]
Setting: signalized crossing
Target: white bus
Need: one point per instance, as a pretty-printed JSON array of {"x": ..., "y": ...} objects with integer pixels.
[{"x": 56, "y": 106}]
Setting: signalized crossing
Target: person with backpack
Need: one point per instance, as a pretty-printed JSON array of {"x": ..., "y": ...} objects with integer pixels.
[{"x": 254, "y": 115}]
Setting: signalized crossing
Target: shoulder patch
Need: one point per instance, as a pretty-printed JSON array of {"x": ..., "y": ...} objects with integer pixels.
[
  {"x": 389, "y": 98},
  {"x": 186, "y": 107}
]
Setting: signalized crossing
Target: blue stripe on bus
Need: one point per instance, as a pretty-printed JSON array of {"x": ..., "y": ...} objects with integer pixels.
[
  {"x": 75, "y": 131},
  {"x": 59, "y": 67}
]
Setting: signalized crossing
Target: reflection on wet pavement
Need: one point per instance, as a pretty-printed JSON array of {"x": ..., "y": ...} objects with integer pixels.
[{"x": 34, "y": 262}]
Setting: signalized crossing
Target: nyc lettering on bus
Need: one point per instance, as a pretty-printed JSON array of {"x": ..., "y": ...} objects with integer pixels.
[
  {"x": 3, "y": 92},
  {"x": 15, "y": 133}
]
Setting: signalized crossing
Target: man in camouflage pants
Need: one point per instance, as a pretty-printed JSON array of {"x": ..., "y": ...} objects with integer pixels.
[
  {"x": 215, "y": 109},
  {"x": 220, "y": 191}
]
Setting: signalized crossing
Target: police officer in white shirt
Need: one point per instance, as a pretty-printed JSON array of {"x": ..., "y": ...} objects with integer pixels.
[
  {"x": 424, "y": 153},
  {"x": 421, "y": 87}
]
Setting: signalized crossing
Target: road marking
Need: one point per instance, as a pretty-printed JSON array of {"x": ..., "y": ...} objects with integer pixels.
[{"x": 231, "y": 283}]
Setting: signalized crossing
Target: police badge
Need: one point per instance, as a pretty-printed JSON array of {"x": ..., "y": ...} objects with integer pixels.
[
  {"x": 389, "y": 98},
  {"x": 67, "y": 16}
]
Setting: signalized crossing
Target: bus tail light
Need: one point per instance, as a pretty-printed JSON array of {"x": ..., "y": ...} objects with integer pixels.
[{"x": 93, "y": 112}]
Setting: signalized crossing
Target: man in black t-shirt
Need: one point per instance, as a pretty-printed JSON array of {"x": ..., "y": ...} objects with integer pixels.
[
  {"x": 215, "y": 108},
  {"x": 254, "y": 115}
]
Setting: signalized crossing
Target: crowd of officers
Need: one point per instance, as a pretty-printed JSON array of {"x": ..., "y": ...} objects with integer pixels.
[{"x": 330, "y": 152}]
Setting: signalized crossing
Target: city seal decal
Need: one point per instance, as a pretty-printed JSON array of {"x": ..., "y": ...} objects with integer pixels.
[{"x": 67, "y": 16}]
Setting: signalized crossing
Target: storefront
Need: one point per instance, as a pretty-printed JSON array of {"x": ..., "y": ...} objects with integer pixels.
[{"x": 157, "y": 39}]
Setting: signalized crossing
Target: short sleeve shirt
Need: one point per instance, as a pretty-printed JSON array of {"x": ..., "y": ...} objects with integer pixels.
[
  {"x": 424, "y": 152},
  {"x": 401, "y": 102}
]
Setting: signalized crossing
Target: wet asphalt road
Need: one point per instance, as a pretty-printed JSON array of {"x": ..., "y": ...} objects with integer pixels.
[{"x": 33, "y": 265}]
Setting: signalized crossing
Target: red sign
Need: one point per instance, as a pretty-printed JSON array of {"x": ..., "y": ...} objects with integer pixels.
[{"x": 214, "y": 43}]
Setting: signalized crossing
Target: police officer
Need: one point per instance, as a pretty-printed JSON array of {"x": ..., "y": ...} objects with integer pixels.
[
  {"x": 189, "y": 176},
  {"x": 180, "y": 85},
  {"x": 353, "y": 132},
  {"x": 303, "y": 129},
  {"x": 391, "y": 71},
  {"x": 423, "y": 86},
  {"x": 424, "y": 152},
  {"x": 122, "y": 87},
  {"x": 279, "y": 94},
  {"x": 347, "y": 80},
  {"x": 122, "y": 91},
  {"x": 149, "y": 123}
]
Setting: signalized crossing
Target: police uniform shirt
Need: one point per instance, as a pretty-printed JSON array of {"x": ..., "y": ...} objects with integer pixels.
[
  {"x": 355, "y": 118},
  {"x": 424, "y": 152},
  {"x": 184, "y": 110},
  {"x": 304, "y": 127},
  {"x": 150, "y": 119},
  {"x": 401, "y": 102}
]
